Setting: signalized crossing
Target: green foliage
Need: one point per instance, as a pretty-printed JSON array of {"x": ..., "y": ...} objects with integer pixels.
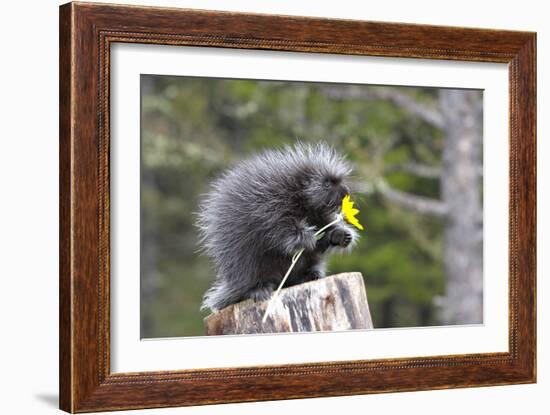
[{"x": 194, "y": 128}]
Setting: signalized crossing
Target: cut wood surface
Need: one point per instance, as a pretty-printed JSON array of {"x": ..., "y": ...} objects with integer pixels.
[{"x": 337, "y": 302}]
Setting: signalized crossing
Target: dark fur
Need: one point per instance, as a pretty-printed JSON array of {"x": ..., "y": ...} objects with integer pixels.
[{"x": 258, "y": 214}]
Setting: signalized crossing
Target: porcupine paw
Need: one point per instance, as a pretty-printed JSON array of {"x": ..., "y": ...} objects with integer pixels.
[
  {"x": 306, "y": 236},
  {"x": 262, "y": 293},
  {"x": 341, "y": 237},
  {"x": 347, "y": 239}
]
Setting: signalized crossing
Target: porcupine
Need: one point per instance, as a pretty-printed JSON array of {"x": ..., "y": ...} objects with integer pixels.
[{"x": 259, "y": 213}]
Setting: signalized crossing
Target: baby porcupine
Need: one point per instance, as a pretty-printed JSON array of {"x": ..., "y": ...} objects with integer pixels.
[{"x": 262, "y": 211}]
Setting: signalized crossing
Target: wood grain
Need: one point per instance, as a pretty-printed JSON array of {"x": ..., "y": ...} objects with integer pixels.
[
  {"x": 86, "y": 33},
  {"x": 335, "y": 303}
]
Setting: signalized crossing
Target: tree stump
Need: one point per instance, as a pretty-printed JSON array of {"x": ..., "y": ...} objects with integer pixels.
[{"x": 334, "y": 303}]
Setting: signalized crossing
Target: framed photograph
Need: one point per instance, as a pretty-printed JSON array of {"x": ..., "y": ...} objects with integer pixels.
[{"x": 258, "y": 207}]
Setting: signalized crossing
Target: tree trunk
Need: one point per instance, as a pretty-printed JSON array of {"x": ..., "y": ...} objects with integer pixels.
[
  {"x": 461, "y": 193},
  {"x": 338, "y": 302}
]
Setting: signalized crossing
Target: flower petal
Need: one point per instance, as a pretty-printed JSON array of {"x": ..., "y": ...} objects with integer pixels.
[{"x": 349, "y": 212}]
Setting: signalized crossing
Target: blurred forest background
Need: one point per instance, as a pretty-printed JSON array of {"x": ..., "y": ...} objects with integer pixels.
[{"x": 418, "y": 158}]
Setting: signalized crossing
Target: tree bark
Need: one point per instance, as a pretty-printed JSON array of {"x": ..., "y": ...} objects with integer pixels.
[
  {"x": 461, "y": 192},
  {"x": 338, "y": 302}
]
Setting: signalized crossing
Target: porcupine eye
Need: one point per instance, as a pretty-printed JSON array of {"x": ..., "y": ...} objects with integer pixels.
[{"x": 330, "y": 182}]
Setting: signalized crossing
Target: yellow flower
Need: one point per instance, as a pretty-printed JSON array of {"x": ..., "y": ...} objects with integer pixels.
[{"x": 349, "y": 212}]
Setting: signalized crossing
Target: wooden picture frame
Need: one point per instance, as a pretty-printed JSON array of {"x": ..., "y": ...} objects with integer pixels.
[{"x": 86, "y": 33}]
